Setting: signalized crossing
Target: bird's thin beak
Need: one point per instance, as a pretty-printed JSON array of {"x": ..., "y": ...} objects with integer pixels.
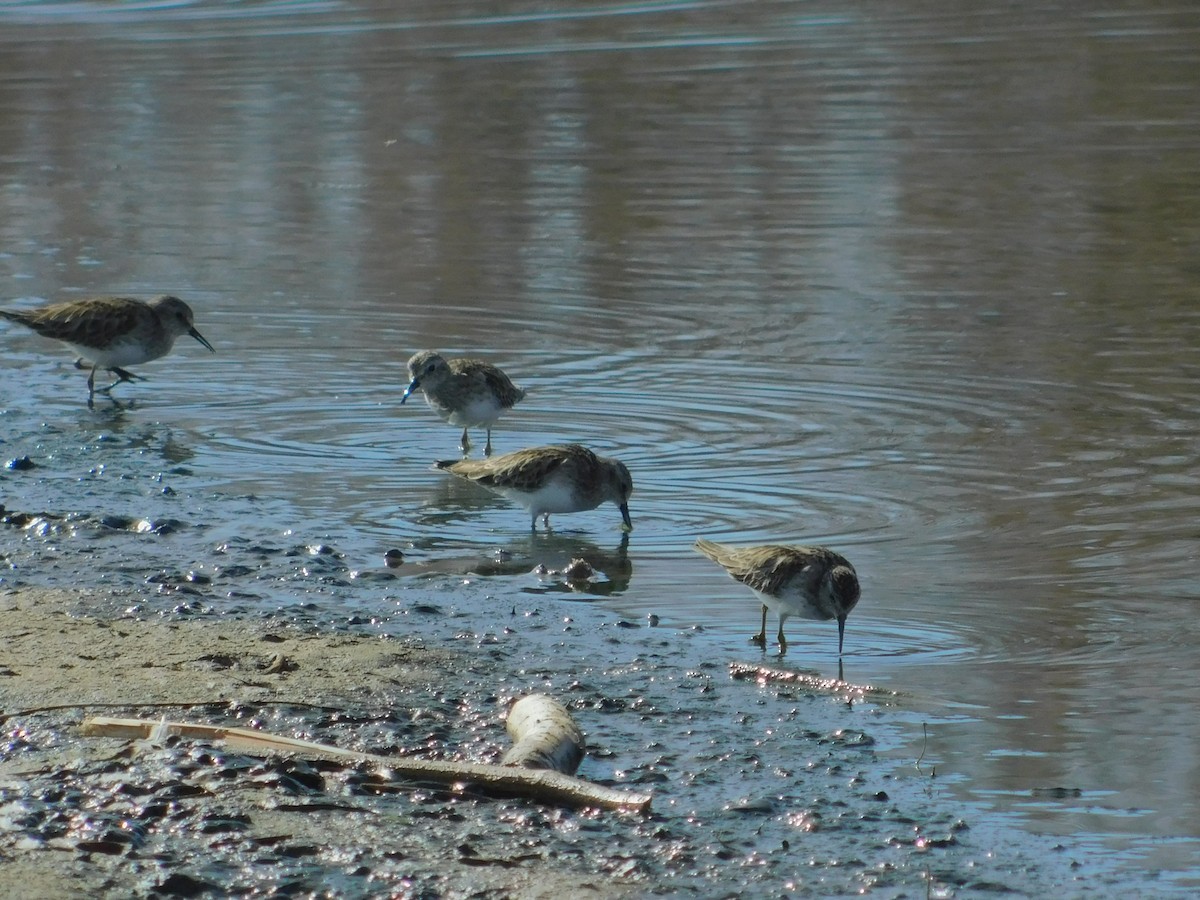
[
  {"x": 198, "y": 336},
  {"x": 413, "y": 385},
  {"x": 841, "y": 631},
  {"x": 624, "y": 507}
]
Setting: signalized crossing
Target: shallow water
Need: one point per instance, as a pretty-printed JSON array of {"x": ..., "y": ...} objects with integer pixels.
[{"x": 916, "y": 284}]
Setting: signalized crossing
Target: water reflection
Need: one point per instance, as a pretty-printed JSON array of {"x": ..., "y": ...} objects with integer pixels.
[
  {"x": 557, "y": 563},
  {"x": 914, "y": 283}
]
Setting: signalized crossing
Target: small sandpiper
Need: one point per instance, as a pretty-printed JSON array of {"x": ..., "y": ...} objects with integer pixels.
[
  {"x": 112, "y": 332},
  {"x": 556, "y": 479},
  {"x": 466, "y": 392},
  {"x": 808, "y": 582}
]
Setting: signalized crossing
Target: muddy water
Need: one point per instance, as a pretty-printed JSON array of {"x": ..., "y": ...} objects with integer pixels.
[{"x": 913, "y": 283}]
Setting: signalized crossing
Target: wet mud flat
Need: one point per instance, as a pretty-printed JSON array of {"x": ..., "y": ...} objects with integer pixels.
[{"x": 759, "y": 788}]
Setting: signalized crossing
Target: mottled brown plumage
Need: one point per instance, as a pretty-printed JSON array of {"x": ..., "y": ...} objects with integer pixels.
[
  {"x": 466, "y": 392},
  {"x": 809, "y": 582},
  {"x": 555, "y": 479},
  {"x": 113, "y": 332}
]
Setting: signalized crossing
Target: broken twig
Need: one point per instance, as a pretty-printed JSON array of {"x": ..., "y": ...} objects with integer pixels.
[{"x": 544, "y": 785}]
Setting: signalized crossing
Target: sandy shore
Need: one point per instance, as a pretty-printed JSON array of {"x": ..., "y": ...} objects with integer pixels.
[{"x": 54, "y": 653}]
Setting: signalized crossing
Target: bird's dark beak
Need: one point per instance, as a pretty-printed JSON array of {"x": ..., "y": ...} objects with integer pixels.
[
  {"x": 624, "y": 507},
  {"x": 412, "y": 386},
  {"x": 841, "y": 631},
  {"x": 198, "y": 336}
]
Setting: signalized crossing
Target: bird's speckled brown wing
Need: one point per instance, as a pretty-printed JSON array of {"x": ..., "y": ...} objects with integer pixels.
[
  {"x": 492, "y": 378},
  {"x": 523, "y": 470},
  {"x": 89, "y": 323},
  {"x": 768, "y": 569}
]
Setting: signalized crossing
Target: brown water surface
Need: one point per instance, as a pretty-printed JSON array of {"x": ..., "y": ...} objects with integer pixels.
[{"x": 915, "y": 281}]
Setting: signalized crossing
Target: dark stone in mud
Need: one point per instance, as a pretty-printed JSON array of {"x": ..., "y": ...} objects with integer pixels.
[
  {"x": 233, "y": 571},
  {"x": 298, "y": 851},
  {"x": 760, "y": 806},
  {"x": 24, "y": 520},
  {"x": 427, "y": 609},
  {"x": 217, "y": 824},
  {"x": 110, "y": 847},
  {"x": 374, "y": 576},
  {"x": 180, "y": 884},
  {"x": 140, "y": 526}
]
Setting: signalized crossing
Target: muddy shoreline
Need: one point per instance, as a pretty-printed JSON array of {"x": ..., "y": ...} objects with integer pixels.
[{"x": 773, "y": 790}]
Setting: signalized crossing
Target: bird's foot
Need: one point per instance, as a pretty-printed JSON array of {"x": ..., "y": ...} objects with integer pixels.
[
  {"x": 122, "y": 377},
  {"x": 126, "y": 375}
]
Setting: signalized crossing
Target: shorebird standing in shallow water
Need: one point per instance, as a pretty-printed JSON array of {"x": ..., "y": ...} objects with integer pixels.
[
  {"x": 113, "y": 332},
  {"x": 556, "y": 479},
  {"x": 466, "y": 392},
  {"x": 807, "y": 582}
]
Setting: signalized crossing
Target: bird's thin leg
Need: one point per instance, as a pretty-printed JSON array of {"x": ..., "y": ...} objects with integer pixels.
[
  {"x": 487, "y": 450},
  {"x": 546, "y": 520},
  {"x": 92, "y": 388},
  {"x": 465, "y": 443},
  {"x": 761, "y": 637}
]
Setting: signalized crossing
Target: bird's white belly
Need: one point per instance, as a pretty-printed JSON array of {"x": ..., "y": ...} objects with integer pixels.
[
  {"x": 791, "y": 603},
  {"x": 483, "y": 411},
  {"x": 119, "y": 353},
  {"x": 556, "y": 497}
]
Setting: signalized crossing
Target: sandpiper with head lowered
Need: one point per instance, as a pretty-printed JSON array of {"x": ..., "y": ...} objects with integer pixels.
[
  {"x": 807, "y": 582},
  {"x": 466, "y": 392},
  {"x": 561, "y": 478},
  {"x": 113, "y": 332}
]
